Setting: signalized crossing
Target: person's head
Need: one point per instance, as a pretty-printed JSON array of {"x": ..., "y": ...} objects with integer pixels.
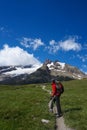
[{"x": 53, "y": 80}]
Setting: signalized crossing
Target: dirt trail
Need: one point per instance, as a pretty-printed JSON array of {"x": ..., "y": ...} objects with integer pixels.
[
  {"x": 59, "y": 122},
  {"x": 61, "y": 125}
]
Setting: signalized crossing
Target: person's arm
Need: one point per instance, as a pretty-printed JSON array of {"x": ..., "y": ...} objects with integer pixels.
[{"x": 53, "y": 90}]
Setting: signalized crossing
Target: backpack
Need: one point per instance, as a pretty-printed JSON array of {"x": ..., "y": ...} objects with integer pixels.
[{"x": 60, "y": 88}]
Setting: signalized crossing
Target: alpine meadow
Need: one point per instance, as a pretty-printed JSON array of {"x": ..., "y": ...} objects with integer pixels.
[{"x": 22, "y": 107}]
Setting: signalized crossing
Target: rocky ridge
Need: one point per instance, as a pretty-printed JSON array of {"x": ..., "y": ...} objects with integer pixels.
[{"x": 39, "y": 74}]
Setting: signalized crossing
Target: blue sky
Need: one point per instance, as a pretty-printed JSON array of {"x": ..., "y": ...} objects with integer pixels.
[{"x": 32, "y": 31}]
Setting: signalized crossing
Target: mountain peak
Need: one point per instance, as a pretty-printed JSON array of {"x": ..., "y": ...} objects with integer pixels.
[{"x": 47, "y": 61}]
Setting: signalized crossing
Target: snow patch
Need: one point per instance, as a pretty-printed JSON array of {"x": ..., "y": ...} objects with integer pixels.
[
  {"x": 51, "y": 65},
  {"x": 21, "y": 70},
  {"x": 62, "y": 65}
]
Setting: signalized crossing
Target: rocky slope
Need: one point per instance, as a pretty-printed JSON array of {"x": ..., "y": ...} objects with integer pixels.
[
  {"x": 63, "y": 69},
  {"x": 39, "y": 74}
]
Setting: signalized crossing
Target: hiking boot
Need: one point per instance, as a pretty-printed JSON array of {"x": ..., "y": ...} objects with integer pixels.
[{"x": 59, "y": 115}]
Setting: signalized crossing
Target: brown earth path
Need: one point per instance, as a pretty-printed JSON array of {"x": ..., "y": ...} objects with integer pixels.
[{"x": 61, "y": 125}]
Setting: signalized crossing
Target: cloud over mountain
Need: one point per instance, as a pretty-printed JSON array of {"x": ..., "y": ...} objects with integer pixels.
[
  {"x": 70, "y": 44},
  {"x": 16, "y": 56},
  {"x": 31, "y": 43},
  {"x": 67, "y": 45}
]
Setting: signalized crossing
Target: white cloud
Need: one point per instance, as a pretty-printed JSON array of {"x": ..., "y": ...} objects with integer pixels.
[
  {"x": 67, "y": 45},
  {"x": 52, "y": 42},
  {"x": 31, "y": 43},
  {"x": 70, "y": 44},
  {"x": 53, "y": 46},
  {"x": 16, "y": 56}
]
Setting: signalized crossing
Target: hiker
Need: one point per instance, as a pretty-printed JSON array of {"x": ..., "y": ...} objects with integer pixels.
[{"x": 55, "y": 96}]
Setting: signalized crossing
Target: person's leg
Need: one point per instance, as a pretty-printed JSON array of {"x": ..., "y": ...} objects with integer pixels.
[
  {"x": 58, "y": 105},
  {"x": 51, "y": 104}
]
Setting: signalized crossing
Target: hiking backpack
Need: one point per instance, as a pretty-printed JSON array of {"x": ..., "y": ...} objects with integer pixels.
[{"x": 60, "y": 88}]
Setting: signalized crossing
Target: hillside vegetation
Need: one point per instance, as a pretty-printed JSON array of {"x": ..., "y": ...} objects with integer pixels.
[
  {"x": 23, "y": 107},
  {"x": 74, "y": 104}
]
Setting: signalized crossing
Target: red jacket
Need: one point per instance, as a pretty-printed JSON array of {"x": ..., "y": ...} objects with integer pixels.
[{"x": 54, "y": 90}]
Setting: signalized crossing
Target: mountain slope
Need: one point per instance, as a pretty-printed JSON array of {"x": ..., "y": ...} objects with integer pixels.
[
  {"x": 39, "y": 74},
  {"x": 62, "y": 69}
]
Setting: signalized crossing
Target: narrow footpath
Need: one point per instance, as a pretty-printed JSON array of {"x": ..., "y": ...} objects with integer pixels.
[{"x": 59, "y": 123}]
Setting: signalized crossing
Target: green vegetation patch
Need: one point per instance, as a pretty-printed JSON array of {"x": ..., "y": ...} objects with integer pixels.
[
  {"x": 74, "y": 104},
  {"x": 23, "y": 108}
]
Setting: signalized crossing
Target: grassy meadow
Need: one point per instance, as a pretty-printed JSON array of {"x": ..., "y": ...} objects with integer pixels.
[
  {"x": 23, "y": 107},
  {"x": 74, "y": 104}
]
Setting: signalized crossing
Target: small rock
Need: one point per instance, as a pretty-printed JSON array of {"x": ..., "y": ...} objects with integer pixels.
[{"x": 44, "y": 121}]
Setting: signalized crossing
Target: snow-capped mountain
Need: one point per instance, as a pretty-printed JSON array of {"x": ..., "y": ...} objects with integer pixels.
[
  {"x": 39, "y": 73},
  {"x": 58, "y": 68}
]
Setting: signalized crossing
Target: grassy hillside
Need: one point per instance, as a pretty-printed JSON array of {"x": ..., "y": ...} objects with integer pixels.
[
  {"x": 23, "y": 107},
  {"x": 74, "y": 104}
]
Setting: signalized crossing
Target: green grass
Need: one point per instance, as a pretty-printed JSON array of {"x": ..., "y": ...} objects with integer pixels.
[
  {"x": 23, "y": 107},
  {"x": 74, "y": 104}
]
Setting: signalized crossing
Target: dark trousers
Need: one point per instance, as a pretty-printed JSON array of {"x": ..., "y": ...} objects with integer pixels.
[
  {"x": 58, "y": 105},
  {"x": 56, "y": 100}
]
